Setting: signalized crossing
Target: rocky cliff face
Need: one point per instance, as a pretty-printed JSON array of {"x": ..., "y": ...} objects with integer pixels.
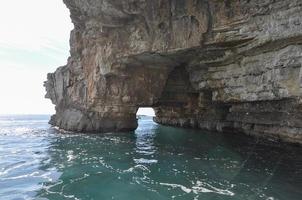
[{"x": 224, "y": 65}]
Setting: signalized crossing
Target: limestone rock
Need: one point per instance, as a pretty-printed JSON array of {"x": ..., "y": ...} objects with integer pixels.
[{"x": 225, "y": 65}]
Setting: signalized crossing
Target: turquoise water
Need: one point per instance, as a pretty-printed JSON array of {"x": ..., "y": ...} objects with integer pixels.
[{"x": 154, "y": 162}]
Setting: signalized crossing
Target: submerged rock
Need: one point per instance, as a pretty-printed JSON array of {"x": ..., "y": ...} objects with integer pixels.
[{"x": 212, "y": 64}]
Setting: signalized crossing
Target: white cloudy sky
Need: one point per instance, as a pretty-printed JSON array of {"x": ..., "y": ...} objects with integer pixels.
[
  {"x": 34, "y": 37},
  {"x": 34, "y": 40}
]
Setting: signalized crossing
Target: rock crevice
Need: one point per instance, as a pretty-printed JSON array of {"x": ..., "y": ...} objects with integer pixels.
[{"x": 217, "y": 65}]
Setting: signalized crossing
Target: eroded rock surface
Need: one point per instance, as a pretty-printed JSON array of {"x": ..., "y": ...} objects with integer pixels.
[{"x": 223, "y": 65}]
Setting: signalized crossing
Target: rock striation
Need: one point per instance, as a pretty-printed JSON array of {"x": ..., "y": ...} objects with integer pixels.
[{"x": 221, "y": 65}]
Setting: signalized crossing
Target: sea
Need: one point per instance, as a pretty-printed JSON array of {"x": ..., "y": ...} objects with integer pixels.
[{"x": 154, "y": 162}]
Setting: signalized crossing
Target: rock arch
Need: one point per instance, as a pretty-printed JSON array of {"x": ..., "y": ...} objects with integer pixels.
[{"x": 216, "y": 65}]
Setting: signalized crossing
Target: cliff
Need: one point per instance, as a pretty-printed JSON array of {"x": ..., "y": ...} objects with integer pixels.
[{"x": 222, "y": 65}]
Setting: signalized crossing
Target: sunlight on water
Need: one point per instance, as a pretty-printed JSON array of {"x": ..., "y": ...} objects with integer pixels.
[{"x": 154, "y": 162}]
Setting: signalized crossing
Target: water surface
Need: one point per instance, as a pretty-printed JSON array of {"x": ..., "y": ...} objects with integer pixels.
[{"x": 154, "y": 162}]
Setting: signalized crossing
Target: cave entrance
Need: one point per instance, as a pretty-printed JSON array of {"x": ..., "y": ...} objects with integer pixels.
[
  {"x": 144, "y": 116},
  {"x": 178, "y": 104}
]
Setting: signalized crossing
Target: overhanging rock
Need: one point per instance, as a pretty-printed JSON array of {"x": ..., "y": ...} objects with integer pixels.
[{"x": 213, "y": 64}]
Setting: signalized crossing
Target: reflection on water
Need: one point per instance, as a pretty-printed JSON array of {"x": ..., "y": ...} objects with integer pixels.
[
  {"x": 155, "y": 162},
  {"x": 144, "y": 144}
]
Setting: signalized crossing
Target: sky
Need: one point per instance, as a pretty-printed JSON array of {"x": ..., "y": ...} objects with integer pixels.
[{"x": 34, "y": 40}]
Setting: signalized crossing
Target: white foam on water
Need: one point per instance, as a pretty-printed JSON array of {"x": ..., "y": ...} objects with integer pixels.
[
  {"x": 136, "y": 167},
  {"x": 200, "y": 187},
  {"x": 14, "y": 166},
  {"x": 21, "y": 176},
  {"x": 203, "y": 187},
  {"x": 145, "y": 161},
  {"x": 70, "y": 156},
  {"x": 183, "y": 188}
]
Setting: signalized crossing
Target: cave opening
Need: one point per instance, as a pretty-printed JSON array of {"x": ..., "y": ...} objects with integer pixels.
[
  {"x": 178, "y": 104},
  {"x": 145, "y": 111}
]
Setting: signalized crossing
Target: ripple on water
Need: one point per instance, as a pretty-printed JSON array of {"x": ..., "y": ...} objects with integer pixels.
[{"x": 155, "y": 162}]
